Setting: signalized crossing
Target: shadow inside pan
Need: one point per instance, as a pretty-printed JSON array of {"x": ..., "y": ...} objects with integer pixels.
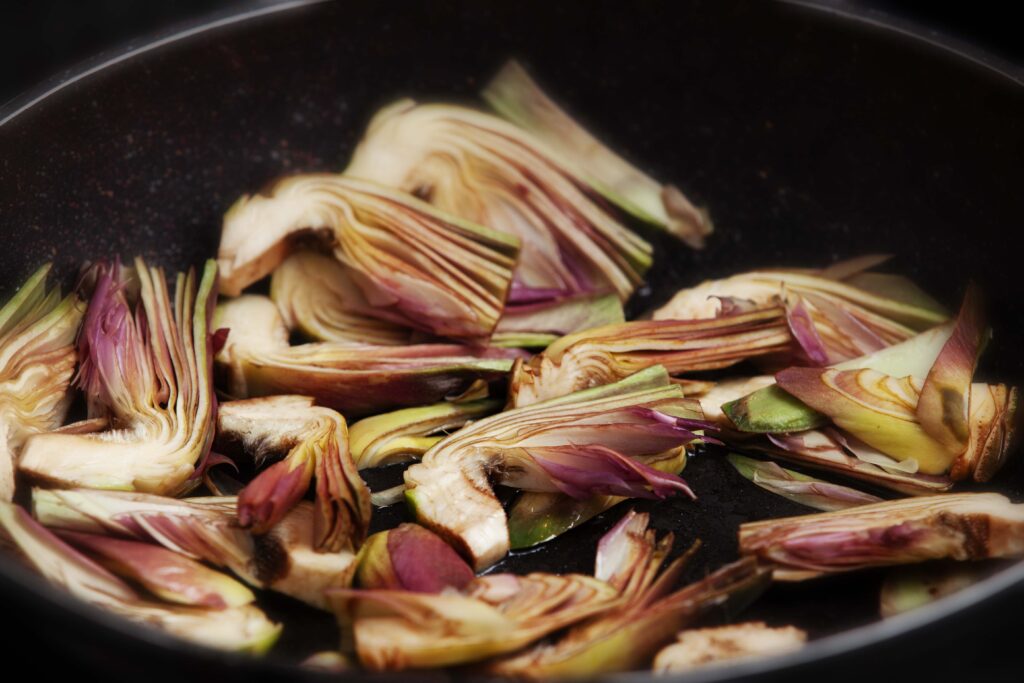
[{"x": 809, "y": 137}]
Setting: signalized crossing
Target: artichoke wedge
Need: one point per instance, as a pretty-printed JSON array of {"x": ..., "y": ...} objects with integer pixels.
[
  {"x": 492, "y": 615},
  {"x": 516, "y": 97},
  {"x": 911, "y": 408},
  {"x": 407, "y": 434},
  {"x": 414, "y": 265},
  {"x": 583, "y": 444},
  {"x": 627, "y": 636},
  {"x": 607, "y": 354},
  {"x": 317, "y": 297},
  {"x": 169, "y": 575},
  {"x": 146, "y": 366},
  {"x": 283, "y": 560},
  {"x": 316, "y": 442},
  {"x": 538, "y": 324},
  {"x": 410, "y": 558},
  {"x": 537, "y": 517},
  {"x": 958, "y": 526},
  {"x": 354, "y": 379},
  {"x": 701, "y": 647},
  {"x": 799, "y": 488},
  {"x": 830, "y": 450},
  {"x": 835, "y": 314},
  {"x": 242, "y": 627},
  {"x": 406, "y": 622},
  {"x": 486, "y": 170},
  {"x": 906, "y": 588},
  {"x": 770, "y": 410},
  {"x": 37, "y": 360}
]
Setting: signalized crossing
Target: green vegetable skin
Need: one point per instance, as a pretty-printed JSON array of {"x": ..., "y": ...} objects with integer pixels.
[
  {"x": 540, "y": 517},
  {"x": 771, "y": 410}
]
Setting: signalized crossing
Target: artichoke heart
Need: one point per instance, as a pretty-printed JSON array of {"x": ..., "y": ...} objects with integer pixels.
[
  {"x": 407, "y": 434},
  {"x": 206, "y": 528},
  {"x": 316, "y": 441},
  {"x": 486, "y": 170},
  {"x": 799, "y": 488},
  {"x": 830, "y": 450},
  {"x": 241, "y": 627},
  {"x": 537, "y": 517},
  {"x": 958, "y": 526},
  {"x": 317, "y": 297},
  {"x": 169, "y": 575},
  {"x": 354, "y": 379},
  {"x": 146, "y": 367},
  {"x": 516, "y": 97},
  {"x": 701, "y": 647},
  {"x": 37, "y": 360},
  {"x": 906, "y": 588},
  {"x": 410, "y": 558},
  {"x": 413, "y": 264},
  {"x": 397, "y": 626},
  {"x": 607, "y": 354},
  {"x": 911, "y": 409},
  {"x": 835, "y": 314},
  {"x": 630, "y": 558},
  {"x": 492, "y": 615},
  {"x": 539, "y": 323},
  {"x": 583, "y": 444}
]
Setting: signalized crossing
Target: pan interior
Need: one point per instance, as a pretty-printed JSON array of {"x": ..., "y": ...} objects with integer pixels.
[{"x": 809, "y": 138}]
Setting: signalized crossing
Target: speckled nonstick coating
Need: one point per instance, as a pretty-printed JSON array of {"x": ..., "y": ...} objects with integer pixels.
[{"x": 810, "y": 137}]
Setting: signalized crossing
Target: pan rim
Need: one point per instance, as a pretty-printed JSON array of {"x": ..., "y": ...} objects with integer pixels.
[{"x": 14, "y": 576}]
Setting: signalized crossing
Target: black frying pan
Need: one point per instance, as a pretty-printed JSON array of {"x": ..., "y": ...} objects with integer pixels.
[{"x": 811, "y": 136}]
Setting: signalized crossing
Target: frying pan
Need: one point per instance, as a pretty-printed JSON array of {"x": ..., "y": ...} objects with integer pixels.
[{"x": 811, "y": 135}]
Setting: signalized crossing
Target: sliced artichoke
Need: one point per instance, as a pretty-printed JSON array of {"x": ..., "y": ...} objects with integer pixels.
[
  {"x": 728, "y": 390},
  {"x": 147, "y": 368},
  {"x": 328, "y": 660},
  {"x": 283, "y": 560},
  {"x": 835, "y": 314},
  {"x": 904, "y": 589},
  {"x": 899, "y": 415},
  {"x": 316, "y": 442},
  {"x": 582, "y": 444},
  {"x": 538, "y": 324},
  {"x": 876, "y": 408},
  {"x": 37, "y": 360},
  {"x": 697, "y": 648},
  {"x": 770, "y": 410},
  {"x": 880, "y": 411},
  {"x": 405, "y": 622},
  {"x": 961, "y": 526},
  {"x": 537, "y": 517},
  {"x": 494, "y": 614},
  {"x": 410, "y": 558},
  {"x": 316, "y": 296},
  {"x": 354, "y": 379},
  {"x": 168, "y": 575},
  {"x": 627, "y": 636},
  {"x": 242, "y": 627},
  {"x": 407, "y": 434},
  {"x": 927, "y": 419},
  {"x": 488, "y": 171},
  {"x": 414, "y": 265},
  {"x": 607, "y": 354},
  {"x": 516, "y": 97},
  {"x": 831, "y": 451},
  {"x": 799, "y": 488}
]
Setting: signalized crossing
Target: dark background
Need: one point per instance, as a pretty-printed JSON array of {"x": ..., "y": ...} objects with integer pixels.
[{"x": 39, "y": 39}]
